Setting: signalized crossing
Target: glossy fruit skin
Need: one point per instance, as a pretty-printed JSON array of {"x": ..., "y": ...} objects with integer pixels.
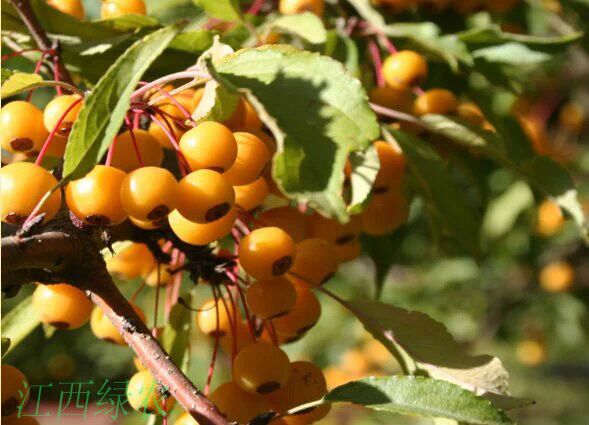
[
  {"x": 348, "y": 252},
  {"x": 288, "y": 219},
  {"x": 62, "y": 306},
  {"x": 206, "y": 318},
  {"x": 149, "y": 193},
  {"x": 306, "y": 384},
  {"x": 238, "y": 405},
  {"x": 132, "y": 262},
  {"x": 404, "y": 69},
  {"x": 103, "y": 329},
  {"x": 125, "y": 157},
  {"x": 13, "y": 381},
  {"x": 115, "y": 8},
  {"x": 151, "y": 279},
  {"x": 73, "y": 8},
  {"x": 244, "y": 118},
  {"x": 156, "y": 131},
  {"x": 557, "y": 276},
  {"x": 209, "y": 145},
  {"x": 261, "y": 368},
  {"x": 303, "y": 316},
  {"x": 22, "y": 127},
  {"x": 315, "y": 263},
  {"x": 266, "y": 252},
  {"x": 143, "y": 395},
  {"x": 56, "y": 108},
  {"x": 389, "y": 97},
  {"x": 294, "y": 7},
  {"x": 243, "y": 338},
  {"x": 252, "y": 158},
  {"x": 471, "y": 113},
  {"x": 435, "y": 101},
  {"x": 204, "y": 196},
  {"x": 334, "y": 232},
  {"x": 550, "y": 218},
  {"x": 95, "y": 198},
  {"x": 251, "y": 196},
  {"x": 272, "y": 298},
  {"x": 22, "y": 186},
  {"x": 392, "y": 167},
  {"x": 385, "y": 213},
  {"x": 201, "y": 234}
]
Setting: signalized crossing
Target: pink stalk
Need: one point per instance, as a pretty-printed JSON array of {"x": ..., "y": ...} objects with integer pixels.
[
  {"x": 182, "y": 162},
  {"x": 183, "y": 75},
  {"x": 36, "y": 71},
  {"x": 56, "y": 74},
  {"x": 134, "y": 140},
  {"x": 21, "y": 52},
  {"x": 377, "y": 61},
  {"x": 387, "y": 43},
  {"x": 255, "y": 7},
  {"x": 211, "y": 371},
  {"x": 177, "y": 104}
]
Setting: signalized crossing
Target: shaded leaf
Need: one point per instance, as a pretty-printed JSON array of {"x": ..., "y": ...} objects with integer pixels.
[
  {"x": 307, "y": 26},
  {"x": 511, "y": 54},
  {"x": 225, "y": 10},
  {"x": 104, "y": 109},
  {"x": 192, "y": 41},
  {"x": 217, "y": 103},
  {"x": 176, "y": 333},
  {"x": 420, "y": 396},
  {"x": 344, "y": 49},
  {"x": 494, "y": 35},
  {"x": 365, "y": 166},
  {"x": 317, "y": 112},
  {"x": 6, "y": 74},
  {"x": 504, "y": 210},
  {"x": 19, "y": 322},
  {"x": 5, "y": 345}
]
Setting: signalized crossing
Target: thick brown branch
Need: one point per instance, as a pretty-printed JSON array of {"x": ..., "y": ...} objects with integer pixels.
[{"x": 23, "y": 7}]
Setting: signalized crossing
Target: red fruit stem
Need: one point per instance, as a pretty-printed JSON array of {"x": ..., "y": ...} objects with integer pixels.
[
  {"x": 36, "y": 71},
  {"x": 398, "y": 115},
  {"x": 216, "y": 346},
  {"x": 56, "y": 74},
  {"x": 177, "y": 104},
  {"x": 167, "y": 129},
  {"x": 47, "y": 143},
  {"x": 134, "y": 141},
  {"x": 23, "y": 51},
  {"x": 182, "y": 75},
  {"x": 234, "y": 324},
  {"x": 248, "y": 316},
  {"x": 271, "y": 331},
  {"x": 389, "y": 45},
  {"x": 350, "y": 25},
  {"x": 157, "y": 301},
  {"x": 377, "y": 61},
  {"x": 137, "y": 291},
  {"x": 255, "y": 7}
]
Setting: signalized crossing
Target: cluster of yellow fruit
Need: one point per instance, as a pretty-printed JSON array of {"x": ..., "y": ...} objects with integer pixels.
[
  {"x": 464, "y": 7},
  {"x": 108, "y": 10},
  {"x": 14, "y": 388}
]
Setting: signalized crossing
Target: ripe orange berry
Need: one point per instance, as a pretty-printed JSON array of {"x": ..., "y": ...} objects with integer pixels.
[
  {"x": 535, "y": 130},
  {"x": 149, "y": 193},
  {"x": 385, "y": 213},
  {"x": 125, "y": 156},
  {"x": 334, "y": 232},
  {"x": 144, "y": 396},
  {"x": 435, "y": 101},
  {"x": 266, "y": 252},
  {"x": 62, "y": 306},
  {"x": 22, "y": 127},
  {"x": 348, "y": 252},
  {"x": 261, "y": 368},
  {"x": 185, "y": 419},
  {"x": 404, "y": 69},
  {"x": 209, "y": 145},
  {"x": 164, "y": 276},
  {"x": 294, "y": 7},
  {"x": 392, "y": 167},
  {"x": 315, "y": 263},
  {"x": 22, "y": 186},
  {"x": 115, "y": 8},
  {"x": 73, "y": 8},
  {"x": 13, "y": 382},
  {"x": 252, "y": 158},
  {"x": 549, "y": 219},
  {"x": 156, "y": 131},
  {"x": 204, "y": 196},
  {"x": 103, "y": 329},
  {"x": 303, "y": 316},
  {"x": 251, "y": 196},
  {"x": 201, "y": 234},
  {"x": 288, "y": 219},
  {"x": 132, "y": 262},
  {"x": 238, "y": 405},
  {"x": 243, "y": 338},
  {"x": 306, "y": 384},
  {"x": 531, "y": 352},
  {"x": 56, "y": 108},
  {"x": 397, "y": 99},
  {"x": 244, "y": 117},
  {"x": 557, "y": 276},
  {"x": 95, "y": 198},
  {"x": 206, "y": 319},
  {"x": 471, "y": 113},
  {"x": 271, "y": 298},
  {"x": 57, "y": 146}
]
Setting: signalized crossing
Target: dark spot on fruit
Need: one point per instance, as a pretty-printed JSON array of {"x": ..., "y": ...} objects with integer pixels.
[
  {"x": 305, "y": 329},
  {"x": 32, "y": 154},
  {"x": 282, "y": 265},
  {"x": 268, "y": 387},
  {"x": 380, "y": 190},
  {"x": 14, "y": 218},
  {"x": 217, "y": 169},
  {"x": 344, "y": 239},
  {"x": 216, "y": 212},
  {"x": 326, "y": 278},
  {"x": 97, "y": 220},
  {"x": 158, "y": 212},
  {"x": 60, "y": 325},
  {"x": 21, "y": 144},
  {"x": 9, "y": 406},
  {"x": 65, "y": 128},
  {"x": 277, "y": 315},
  {"x": 220, "y": 333}
]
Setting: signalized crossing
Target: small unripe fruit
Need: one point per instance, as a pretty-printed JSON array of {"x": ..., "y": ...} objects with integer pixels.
[
  {"x": 209, "y": 145},
  {"x": 55, "y": 110},
  {"x": 315, "y": 263},
  {"x": 213, "y": 318},
  {"x": 95, "y": 198},
  {"x": 251, "y": 196},
  {"x": 294, "y": 7},
  {"x": 404, "y": 69},
  {"x": 435, "y": 101},
  {"x": 392, "y": 167},
  {"x": 252, "y": 158},
  {"x": 271, "y": 298},
  {"x": 201, "y": 234},
  {"x": 22, "y": 127},
  {"x": 204, "y": 196},
  {"x": 62, "y": 306},
  {"x": 103, "y": 329},
  {"x": 149, "y": 193},
  {"x": 238, "y": 405},
  {"x": 288, "y": 219},
  {"x": 266, "y": 252},
  {"x": 333, "y": 231},
  {"x": 125, "y": 155},
  {"x": 13, "y": 382},
  {"x": 115, "y": 8},
  {"x": 73, "y": 8},
  {"x": 144, "y": 396},
  {"x": 22, "y": 186},
  {"x": 303, "y": 316},
  {"x": 385, "y": 213},
  {"x": 261, "y": 368}
]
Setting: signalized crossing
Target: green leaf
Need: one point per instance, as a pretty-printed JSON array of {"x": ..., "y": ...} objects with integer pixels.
[
  {"x": 5, "y": 345},
  {"x": 192, "y": 41},
  {"x": 342, "y": 48},
  {"x": 307, "y": 26},
  {"x": 217, "y": 103},
  {"x": 420, "y": 396},
  {"x": 511, "y": 54},
  {"x": 494, "y": 35},
  {"x": 444, "y": 198},
  {"x": 225, "y": 10},
  {"x": 365, "y": 166},
  {"x": 504, "y": 210},
  {"x": 176, "y": 333},
  {"x": 18, "y": 82},
  {"x": 429, "y": 344},
  {"x": 104, "y": 109},
  {"x": 129, "y": 22},
  {"x": 317, "y": 112},
  {"x": 6, "y": 74},
  {"x": 19, "y": 322}
]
